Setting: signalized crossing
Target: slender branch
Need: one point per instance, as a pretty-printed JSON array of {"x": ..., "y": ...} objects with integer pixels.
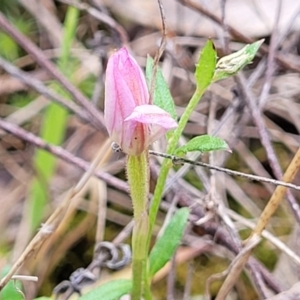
[
  {"x": 95, "y": 115},
  {"x": 180, "y": 160},
  {"x": 271, "y": 57},
  {"x": 161, "y": 48}
]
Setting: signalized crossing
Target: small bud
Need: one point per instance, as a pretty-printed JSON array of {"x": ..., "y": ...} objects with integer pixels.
[
  {"x": 229, "y": 65},
  {"x": 132, "y": 121}
]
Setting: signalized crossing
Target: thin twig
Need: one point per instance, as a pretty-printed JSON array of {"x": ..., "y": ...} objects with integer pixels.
[
  {"x": 188, "y": 281},
  {"x": 271, "y": 57},
  {"x": 161, "y": 48},
  {"x": 95, "y": 115},
  {"x": 180, "y": 160},
  {"x": 25, "y": 278},
  {"x": 238, "y": 263}
]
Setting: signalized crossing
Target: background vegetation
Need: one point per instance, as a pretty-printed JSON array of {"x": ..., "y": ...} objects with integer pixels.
[{"x": 257, "y": 113}]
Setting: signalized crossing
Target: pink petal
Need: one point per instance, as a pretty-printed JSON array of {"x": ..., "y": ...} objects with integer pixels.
[
  {"x": 133, "y": 76},
  {"x": 152, "y": 115},
  {"x": 125, "y": 88}
]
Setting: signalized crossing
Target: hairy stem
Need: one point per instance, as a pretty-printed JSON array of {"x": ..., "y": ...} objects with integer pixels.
[{"x": 138, "y": 178}]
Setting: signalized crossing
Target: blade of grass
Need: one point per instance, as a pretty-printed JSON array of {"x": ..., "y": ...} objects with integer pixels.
[{"x": 52, "y": 130}]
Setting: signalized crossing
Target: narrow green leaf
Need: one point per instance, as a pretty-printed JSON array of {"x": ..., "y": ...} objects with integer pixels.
[
  {"x": 43, "y": 298},
  {"x": 203, "y": 143},
  {"x": 161, "y": 96},
  {"x": 206, "y": 66},
  {"x": 229, "y": 65},
  {"x": 112, "y": 290},
  {"x": 165, "y": 247}
]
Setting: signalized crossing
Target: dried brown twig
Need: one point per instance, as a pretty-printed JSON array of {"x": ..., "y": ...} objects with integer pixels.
[{"x": 161, "y": 48}]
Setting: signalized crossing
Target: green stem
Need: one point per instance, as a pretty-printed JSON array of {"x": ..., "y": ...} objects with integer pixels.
[
  {"x": 167, "y": 164},
  {"x": 138, "y": 178}
]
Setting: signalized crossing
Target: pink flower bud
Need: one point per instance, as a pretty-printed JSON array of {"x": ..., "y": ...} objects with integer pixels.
[{"x": 131, "y": 120}]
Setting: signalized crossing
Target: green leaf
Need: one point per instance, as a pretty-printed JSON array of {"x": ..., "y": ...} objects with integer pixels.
[
  {"x": 229, "y": 65},
  {"x": 10, "y": 292},
  {"x": 161, "y": 95},
  {"x": 165, "y": 247},
  {"x": 203, "y": 143},
  {"x": 206, "y": 66},
  {"x": 43, "y": 298},
  {"x": 109, "y": 291}
]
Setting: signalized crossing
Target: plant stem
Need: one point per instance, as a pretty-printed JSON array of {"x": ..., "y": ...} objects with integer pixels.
[
  {"x": 167, "y": 164},
  {"x": 138, "y": 178}
]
